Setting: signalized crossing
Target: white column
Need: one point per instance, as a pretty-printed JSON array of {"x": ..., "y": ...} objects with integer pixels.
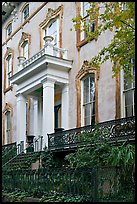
[
  {"x": 21, "y": 119},
  {"x": 65, "y": 107},
  {"x": 48, "y": 108},
  {"x": 36, "y": 118}
]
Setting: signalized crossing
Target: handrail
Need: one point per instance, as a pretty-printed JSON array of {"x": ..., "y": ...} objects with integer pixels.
[
  {"x": 9, "y": 147},
  {"x": 115, "y": 130},
  {"x": 31, "y": 145}
]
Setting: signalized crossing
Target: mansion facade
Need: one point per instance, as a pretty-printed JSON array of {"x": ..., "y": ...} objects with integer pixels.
[{"x": 47, "y": 82}]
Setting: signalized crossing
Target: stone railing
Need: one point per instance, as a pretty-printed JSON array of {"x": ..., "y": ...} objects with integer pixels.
[{"x": 49, "y": 49}]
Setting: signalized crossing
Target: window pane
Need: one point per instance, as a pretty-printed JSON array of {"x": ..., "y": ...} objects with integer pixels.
[
  {"x": 129, "y": 103},
  {"x": 8, "y": 127},
  {"x": 87, "y": 114},
  {"x": 26, "y": 12},
  {"x": 86, "y": 6},
  {"x": 86, "y": 90},
  {"x": 52, "y": 31},
  {"x": 25, "y": 49},
  {"x": 92, "y": 88}
]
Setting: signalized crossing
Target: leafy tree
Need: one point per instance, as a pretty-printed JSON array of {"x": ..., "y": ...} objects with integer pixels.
[{"x": 119, "y": 18}]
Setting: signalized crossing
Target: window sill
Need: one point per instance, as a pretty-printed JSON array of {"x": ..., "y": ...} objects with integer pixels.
[
  {"x": 8, "y": 89},
  {"x": 83, "y": 42}
]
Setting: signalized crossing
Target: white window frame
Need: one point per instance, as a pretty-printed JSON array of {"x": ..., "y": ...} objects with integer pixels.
[
  {"x": 46, "y": 31},
  {"x": 82, "y": 100},
  {"x": 25, "y": 49},
  {"x": 123, "y": 111},
  {"x": 25, "y": 16},
  {"x": 8, "y": 70},
  {"x": 7, "y": 129}
]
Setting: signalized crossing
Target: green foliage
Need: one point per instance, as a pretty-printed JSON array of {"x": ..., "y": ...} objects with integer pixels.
[
  {"x": 94, "y": 152},
  {"x": 9, "y": 155},
  {"x": 47, "y": 159},
  {"x": 15, "y": 196},
  {"x": 58, "y": 197},
  {"x": 111, "y": 16}
]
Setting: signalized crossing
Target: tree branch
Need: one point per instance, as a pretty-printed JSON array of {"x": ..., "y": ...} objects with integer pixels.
[{"x": 127, "y": 24}]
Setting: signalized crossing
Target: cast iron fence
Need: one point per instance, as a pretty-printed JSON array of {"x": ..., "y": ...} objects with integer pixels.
[
  {"x": 96, "y": 184},
  {"x": 115, "y": 130}
]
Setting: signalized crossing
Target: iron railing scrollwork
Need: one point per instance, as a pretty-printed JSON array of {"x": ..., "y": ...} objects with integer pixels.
[{"x": 115, "y": 130}]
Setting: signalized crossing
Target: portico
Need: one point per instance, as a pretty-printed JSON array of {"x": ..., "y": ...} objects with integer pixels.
[{"x": 42, "y": 79}]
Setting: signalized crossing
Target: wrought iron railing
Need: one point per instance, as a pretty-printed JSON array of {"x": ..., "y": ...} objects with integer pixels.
[
  {"x": 6, "y": 148},
  {"x": 115, "y": 130},
  {"x": 33, "y": 147},
  {"x": 97, "y": 184}
]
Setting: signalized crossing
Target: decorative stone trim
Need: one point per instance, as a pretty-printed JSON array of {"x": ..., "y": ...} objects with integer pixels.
[
  {"x": 51, "y": 15},
  {"x": 79, "y": 42},
  {"x": 86, "y": 69},
  {"x": 21, "y": 26},
  {"x": 24, "y": 37}
]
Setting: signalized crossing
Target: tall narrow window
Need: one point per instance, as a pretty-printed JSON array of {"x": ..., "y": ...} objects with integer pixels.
[
  {"x": 129, "y": 95},
  {"x": 25, "y": 12},
  {"x": 91, "y": 26},
  {"x": 25, "y": 49},
  {"x": 89, "y": 100},
  {"x": 53, "y": 30},
  {"x": 9, "y": 30},
  {"x": 8, "y": 70},
  {"x": 7, "y": 129}
]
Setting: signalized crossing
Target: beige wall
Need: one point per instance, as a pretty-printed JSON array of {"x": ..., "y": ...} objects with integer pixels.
[{"x": 106, "y": 85}]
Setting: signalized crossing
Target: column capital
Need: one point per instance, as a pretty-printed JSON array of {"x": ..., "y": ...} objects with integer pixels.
[
  {"x": 20, "y": 96},
  {"x": 48, "y": 80}
]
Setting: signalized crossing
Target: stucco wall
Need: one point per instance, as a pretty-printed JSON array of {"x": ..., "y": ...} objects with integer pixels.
[{"x": 106, "y": 85}]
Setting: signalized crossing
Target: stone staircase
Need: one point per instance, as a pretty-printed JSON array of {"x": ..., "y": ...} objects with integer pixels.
[
  {"x": 24, "y": 161},
  {"x": 12, "y": 158}
]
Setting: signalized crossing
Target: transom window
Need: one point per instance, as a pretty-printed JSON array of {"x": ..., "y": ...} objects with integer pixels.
[
  {"x": 8, "y": 70},
  {"x": 26, "y": 12},
  {"x": 129, "y": 95},
  {"x": 9, "y": 30},
  {"x": 88, "y": 105},
  {"x": 7, "y": 127}
]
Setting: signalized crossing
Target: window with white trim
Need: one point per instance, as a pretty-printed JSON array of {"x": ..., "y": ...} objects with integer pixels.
[
  {"x": 25, "y": 49},
  {"x": 84, "y": 7},
  {"x": 88, "y": 100},
  {"x": 25, "y": 12},
  {"x": 52, "y": 29},
  {"x": 8, "y": 70},
  {"x": 9, "y": 30},
  {"x": 129, "y": 95},
  {"x": 7, "y": 127}
]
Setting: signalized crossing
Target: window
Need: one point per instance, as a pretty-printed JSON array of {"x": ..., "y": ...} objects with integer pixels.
[
  {"x": 88, "y": 105},
  {"x": 91, "y": 26},
  {"x": 7, "y": 127},
  {"x": 129, "y": 95},
  {"x": 24, "y": 45},
  {"x": 25, "y": 49},
  {"x": 8, "y": 70},
  {"x": 25, "y": 12},
  {"x": 9, "y": 30},
  {"x": 52, "y": 29}
]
